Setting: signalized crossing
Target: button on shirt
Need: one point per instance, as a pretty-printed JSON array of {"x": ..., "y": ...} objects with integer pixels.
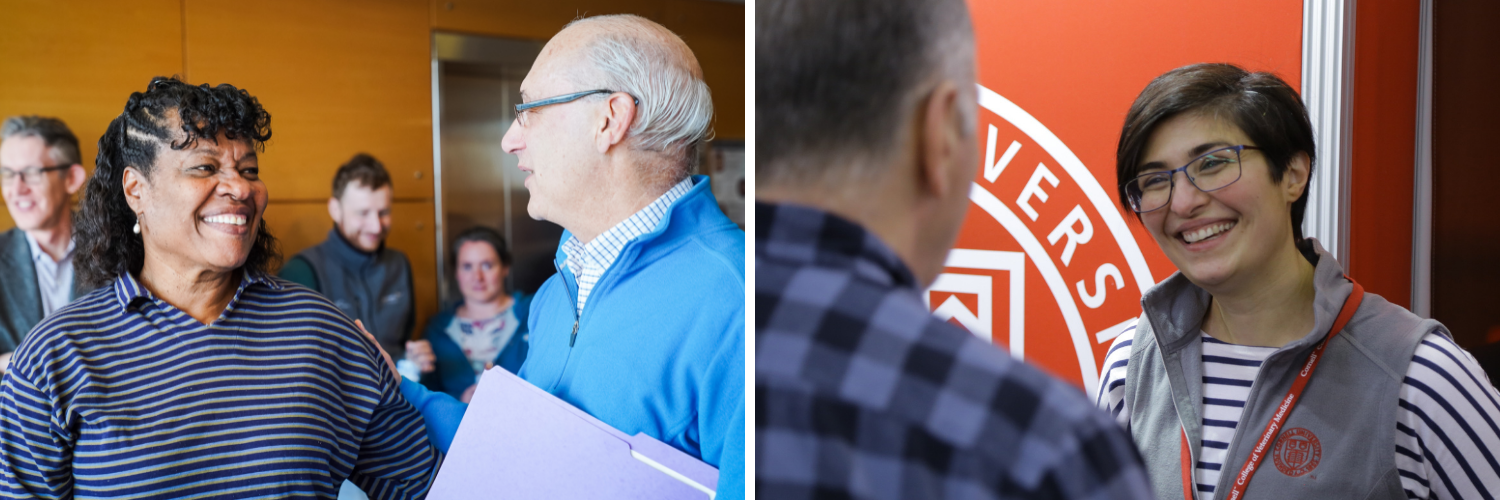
[
  {"x": 589, "y": 261},
  {"x": 53, "y": 278},
  {"x": 862, "y": 393}
]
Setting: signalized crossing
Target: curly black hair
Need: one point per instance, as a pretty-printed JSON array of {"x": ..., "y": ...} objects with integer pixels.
[{"x": 107, "y": 247}]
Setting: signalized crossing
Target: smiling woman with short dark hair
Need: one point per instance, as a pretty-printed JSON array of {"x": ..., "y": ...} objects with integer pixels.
[
  {"x": 1260, "y": 369},
  {"x": 192, "y": 372}
]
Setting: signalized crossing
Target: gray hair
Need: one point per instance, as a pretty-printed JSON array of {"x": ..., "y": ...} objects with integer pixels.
[
  {"x": 60, "y": 141},
  {"x": 676, "y": 110},
  {"x": 837, "y": 80}
]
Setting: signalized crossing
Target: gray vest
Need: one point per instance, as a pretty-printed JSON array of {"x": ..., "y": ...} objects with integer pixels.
[
  {"x": 1339, "y": 441},
  {"x": 374, "y": 288}
]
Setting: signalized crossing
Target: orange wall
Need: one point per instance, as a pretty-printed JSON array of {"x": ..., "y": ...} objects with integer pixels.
[
  {"x": 337, "y": 76},
  {"x": 1384, "y": 149}
]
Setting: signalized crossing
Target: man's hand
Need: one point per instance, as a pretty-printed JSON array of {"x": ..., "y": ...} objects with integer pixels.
[
  {"x": 420, "y": 352},
  {"x": 5, "y": 362},
  {"x": 388, "y": 363},
  {"x": 468, "y": 394}
]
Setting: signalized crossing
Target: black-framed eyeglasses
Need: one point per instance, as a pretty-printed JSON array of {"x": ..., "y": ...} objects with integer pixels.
[
  {"x": 522, "y": 108},
  {"x": 1211, "y": 171},
  {"x": 32, "y": 176}
]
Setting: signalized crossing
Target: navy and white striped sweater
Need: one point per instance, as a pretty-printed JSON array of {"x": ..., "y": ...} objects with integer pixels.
[{"x": 1447, "y": 440}]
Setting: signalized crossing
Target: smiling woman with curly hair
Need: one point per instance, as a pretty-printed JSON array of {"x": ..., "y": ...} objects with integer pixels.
[{"x": 191, "y": 372}]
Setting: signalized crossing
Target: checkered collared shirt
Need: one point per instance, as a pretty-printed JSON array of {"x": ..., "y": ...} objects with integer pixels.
[
  {"x": 861, "y": 393},
  {"x": 589, "y": 261}
]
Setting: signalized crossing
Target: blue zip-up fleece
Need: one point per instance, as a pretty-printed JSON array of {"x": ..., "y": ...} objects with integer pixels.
[{"x": 660, "y": 347}]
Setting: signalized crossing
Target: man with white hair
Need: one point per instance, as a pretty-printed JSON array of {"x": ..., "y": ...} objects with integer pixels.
[{"x": 643, "y": 326}]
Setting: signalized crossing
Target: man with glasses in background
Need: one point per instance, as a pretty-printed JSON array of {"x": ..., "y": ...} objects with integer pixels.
[
  {"x": 40, "y": 169},
  {"x": 643, "y": 326}
]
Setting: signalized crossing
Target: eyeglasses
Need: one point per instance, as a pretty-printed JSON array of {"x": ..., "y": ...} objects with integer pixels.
[
  {"x": 33, "y": 176},
  {"x": 521, "y": 109},
  {"x": 1212, "y": 171}
]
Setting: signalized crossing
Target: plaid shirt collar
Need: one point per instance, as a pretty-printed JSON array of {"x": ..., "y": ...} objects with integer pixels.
[
  {"x": 128, "y": 289},
  {"x": 798, "y": 234},
  {"x": 602, "y": 251}
]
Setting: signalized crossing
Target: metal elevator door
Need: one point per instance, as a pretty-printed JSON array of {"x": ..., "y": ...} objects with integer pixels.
[{"x": 478, "y": 80}]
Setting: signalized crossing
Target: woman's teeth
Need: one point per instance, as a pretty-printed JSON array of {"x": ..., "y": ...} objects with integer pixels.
[
  {"x": 238, "y": 220},
  {"x": 1206, "y": 232}
]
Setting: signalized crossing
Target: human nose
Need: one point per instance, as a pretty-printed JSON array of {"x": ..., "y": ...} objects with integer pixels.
[
  {"x": 21, "y": 182},
  {"x": 512, "y": 141},
  {"x": 235, "y": 186},
  {"x": 1186, "y": 197}
]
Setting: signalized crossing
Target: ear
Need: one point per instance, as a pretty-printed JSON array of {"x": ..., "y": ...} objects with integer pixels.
[
  {"x": 335, "y": 209},
  {"x": 1294, "y": 179},
  {"x": 136, "y": 186},
  {"x": 75, "y": 178},
  {"x": 617, "y": 119},
  {"x": 942, "y": 130}
]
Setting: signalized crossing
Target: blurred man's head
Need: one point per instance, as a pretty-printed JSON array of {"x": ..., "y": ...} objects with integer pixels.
[
  {"x": 642, "y": 132},
  {"x": 867, "y": 108},
  {"x": 361, "y": 202},
  {"x": 39, "y": 171}
]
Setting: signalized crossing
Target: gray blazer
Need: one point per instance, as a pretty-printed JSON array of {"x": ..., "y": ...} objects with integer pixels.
[{"x": 20, "y": 296}]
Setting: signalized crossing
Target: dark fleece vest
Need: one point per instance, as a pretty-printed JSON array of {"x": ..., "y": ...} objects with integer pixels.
[{"x": 375, "y": 288}]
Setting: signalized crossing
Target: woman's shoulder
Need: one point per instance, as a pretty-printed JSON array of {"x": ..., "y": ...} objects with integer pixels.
[
  {"x": 445, "y": 315},
  {"x": 92, "y": 309},
  {"x": 283, "y": 291},
  {"x": 65, "y": 332}
]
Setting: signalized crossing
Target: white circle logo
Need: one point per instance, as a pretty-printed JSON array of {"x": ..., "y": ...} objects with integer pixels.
[{"x": 1052, "y": 221}]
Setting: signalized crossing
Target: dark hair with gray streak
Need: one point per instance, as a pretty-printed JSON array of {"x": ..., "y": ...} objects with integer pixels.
[
  {"x": 60, "y": 141},
  {"x": 107, "y": 248},
  {"x": 836, "y": 78},
  {"x": 1261, "y": 104}
]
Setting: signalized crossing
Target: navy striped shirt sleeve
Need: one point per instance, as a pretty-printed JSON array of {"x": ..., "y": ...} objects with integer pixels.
[
  {"x": 1448, "y": 425},
  {"x": 35, "y": 452},
  {"x": 386, "y": 467}
]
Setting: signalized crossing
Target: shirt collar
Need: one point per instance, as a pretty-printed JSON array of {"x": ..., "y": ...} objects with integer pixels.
[
  {"x": 809, "y": 236},
  {"x": 128, "y": 288},
  {"x": 605, "y": 248},
  {"x": 37, "y": 254}
]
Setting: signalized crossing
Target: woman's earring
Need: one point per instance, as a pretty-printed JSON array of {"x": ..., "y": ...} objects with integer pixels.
[{"x": 137, "y": 228}]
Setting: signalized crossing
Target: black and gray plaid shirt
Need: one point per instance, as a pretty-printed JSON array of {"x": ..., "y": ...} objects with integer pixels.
[{"x": 861, "y": 393}]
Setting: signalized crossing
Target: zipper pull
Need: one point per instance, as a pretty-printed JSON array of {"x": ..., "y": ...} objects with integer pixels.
[{"x": 574, "y": 338}]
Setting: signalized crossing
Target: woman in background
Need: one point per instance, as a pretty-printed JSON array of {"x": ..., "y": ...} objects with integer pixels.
[
  {"x": 190, "y": 372},
  {"x": 487, "y": 328},
  {"x": 1215, "y": 161}
]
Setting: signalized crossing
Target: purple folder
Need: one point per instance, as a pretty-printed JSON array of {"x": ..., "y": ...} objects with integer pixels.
[{"x": 518, "y": 441}]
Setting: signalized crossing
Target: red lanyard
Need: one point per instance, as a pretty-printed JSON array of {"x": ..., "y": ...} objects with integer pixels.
[{"x": 1242, "y": 480}]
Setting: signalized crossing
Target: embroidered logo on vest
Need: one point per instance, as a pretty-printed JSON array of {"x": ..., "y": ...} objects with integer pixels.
[{"x": 1297, "y": 452}]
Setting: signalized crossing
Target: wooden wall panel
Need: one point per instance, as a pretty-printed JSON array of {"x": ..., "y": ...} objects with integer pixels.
[
  {"x": 302, "y": 224},
  {"x": 337, "y": 76},
  {"x": 714, "y": 30},
  {"x": 79, "y": 61}
]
